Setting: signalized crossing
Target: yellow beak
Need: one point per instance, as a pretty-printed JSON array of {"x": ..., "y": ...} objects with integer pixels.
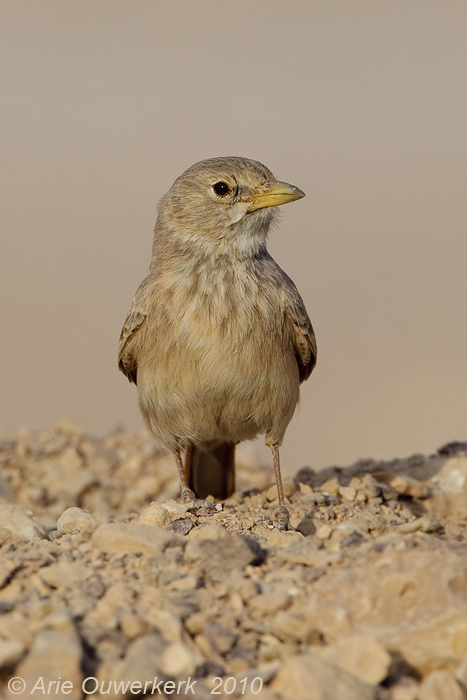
[{"x": 276, "y": 193}]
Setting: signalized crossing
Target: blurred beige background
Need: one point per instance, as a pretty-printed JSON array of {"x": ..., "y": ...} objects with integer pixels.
[{"x": 361, "y": 104}]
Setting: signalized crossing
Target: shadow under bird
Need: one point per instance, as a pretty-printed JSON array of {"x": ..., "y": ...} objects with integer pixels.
[{"x": 217, "y": 338}]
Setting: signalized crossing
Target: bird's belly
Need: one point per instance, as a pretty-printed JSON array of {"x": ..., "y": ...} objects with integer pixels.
[{"x": 220, "y": 392}]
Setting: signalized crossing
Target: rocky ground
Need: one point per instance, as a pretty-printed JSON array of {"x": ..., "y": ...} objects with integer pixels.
[{"x": 110, "y": 588}]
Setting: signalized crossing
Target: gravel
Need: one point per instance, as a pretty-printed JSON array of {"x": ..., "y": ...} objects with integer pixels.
[{"x": 110, "y": 587}]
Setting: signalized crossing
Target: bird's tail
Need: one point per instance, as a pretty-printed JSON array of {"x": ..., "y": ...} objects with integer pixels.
[{"x": 212, "y": 473}]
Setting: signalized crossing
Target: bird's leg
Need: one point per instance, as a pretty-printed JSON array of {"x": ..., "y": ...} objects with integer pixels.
[
  {"x": 188, "y": 461},
  {"x": 282, "y": 514},
  {"x": 187, "y": 493}
]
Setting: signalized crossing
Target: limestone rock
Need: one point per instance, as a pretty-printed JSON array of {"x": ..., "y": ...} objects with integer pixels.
[
  {"x": 225, "y": 554},
  {"x": 140, "y": 665},
  {"x": 174, "y": 508},
  {"x": 178, "y": 659},
  {"x": 220, "y": 638},
  {"x": 440, "y": 685},
  {"x": 20, "y": 522},
  {"x": 10, "y": 652},
  {"x": 73, "y": 519},
  {"x": 361, "y": 655},
  {"x": 408, "y": 486},
  {"x": 211, "y": 531},
  {"x": 64, "y": 574},
  {"x": 405, "y": 688},
  {"x": 120, "y": 538},
  {"x": 309, "y": 678},
  {"x": 155, "y": 515},
  {"x": 450, "y": 489},
  {"x": 412, "y": 596},
  {"x": 55, "y": 654}
]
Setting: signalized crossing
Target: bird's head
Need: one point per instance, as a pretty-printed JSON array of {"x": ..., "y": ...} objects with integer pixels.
[{"x": 224, "y": 201}]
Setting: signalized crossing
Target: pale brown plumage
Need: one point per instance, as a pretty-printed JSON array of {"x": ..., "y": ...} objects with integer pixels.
[{"x": 217, "y": 338}]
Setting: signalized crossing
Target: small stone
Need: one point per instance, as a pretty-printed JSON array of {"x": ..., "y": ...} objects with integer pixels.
[
  {"x": 324, "y": 532},
  {"x": 220, "y": 638},
  {"x": 405, "y": 688},
  {"x": 155, "y": 515},
  {"x": 186, "y": 583},
  {"x": 424, "y": 524},
  {"x": 177, "y": 659},
  {"x": 73, "y": 519},
  {"x": 271, "y": 493},
  {"x": 305, "y": 551},
  {"x": 352, "y": 539},
  {"x": 440, "y": 685},
  {"x": 212, "y": 531},
  {"x": 347, "y": 493},
  {"x": 121, "y": 538},
  {"x": 226, "y": 554},
  {"x": 10, "y": 652},
  {"x": 106, "y": 613},
  {"x": 367, "y": 489},
  {"x": 408, "y": 486},
  {"x": 166, "y": 622},
  {"x": 175, "y": 509},
  {"x": 132, "y": 625},
  {"x": 306, "y": 525},
  {"x": 141, "y": 663},
  {"x": 270, "y": 648},
  {"x": 55, "y": 654},
  {"x": 205, "y": 647},
  {"x": 330, "y": 486},
  {"x": 305, "y": 489},
  {"x": 196, "y": 622},
  {"x": 182, "y": 526},
  {"x": 289, "y": 487},
  {"x": 361, "y": 655},
  {"x": 62, "y": 574},
  {"x": 280, "y": 537},
  {"x": 270, "y": 603},
  {"x": 236, "y": 602},
  {"x": 309, "y": 678},
  {"x": 20, "y": 522},
  {"x": 202, "y": 507},
  {"x": 289, "y": 625}
]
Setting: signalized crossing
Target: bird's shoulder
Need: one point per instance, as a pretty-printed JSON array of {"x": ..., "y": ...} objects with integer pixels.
[
  {"x": 297, "y": 320},
  {"x": 136, "y": 317}
]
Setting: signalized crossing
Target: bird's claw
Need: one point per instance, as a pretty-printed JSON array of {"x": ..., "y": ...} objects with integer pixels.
[
  {"x": 282, "y": 518},
  {"x": 189, "y": 498}
]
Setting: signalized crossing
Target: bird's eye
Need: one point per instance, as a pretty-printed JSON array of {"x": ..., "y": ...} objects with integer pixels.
[{"x": 221, "y": 189}]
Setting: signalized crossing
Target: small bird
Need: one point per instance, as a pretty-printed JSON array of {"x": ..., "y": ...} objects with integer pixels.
[{"x": 217, "y": 338}]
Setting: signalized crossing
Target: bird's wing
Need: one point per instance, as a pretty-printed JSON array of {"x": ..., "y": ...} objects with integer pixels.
[
  {"x": 127, "y": 362},
  {"x": 306, "y": 350}
]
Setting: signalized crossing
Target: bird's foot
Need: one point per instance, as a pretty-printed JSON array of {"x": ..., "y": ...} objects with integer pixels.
[
  {"x": 282, "y": 518},
  {"x": 194, "y": 503},
  {"x": 188, "y": 496}
]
